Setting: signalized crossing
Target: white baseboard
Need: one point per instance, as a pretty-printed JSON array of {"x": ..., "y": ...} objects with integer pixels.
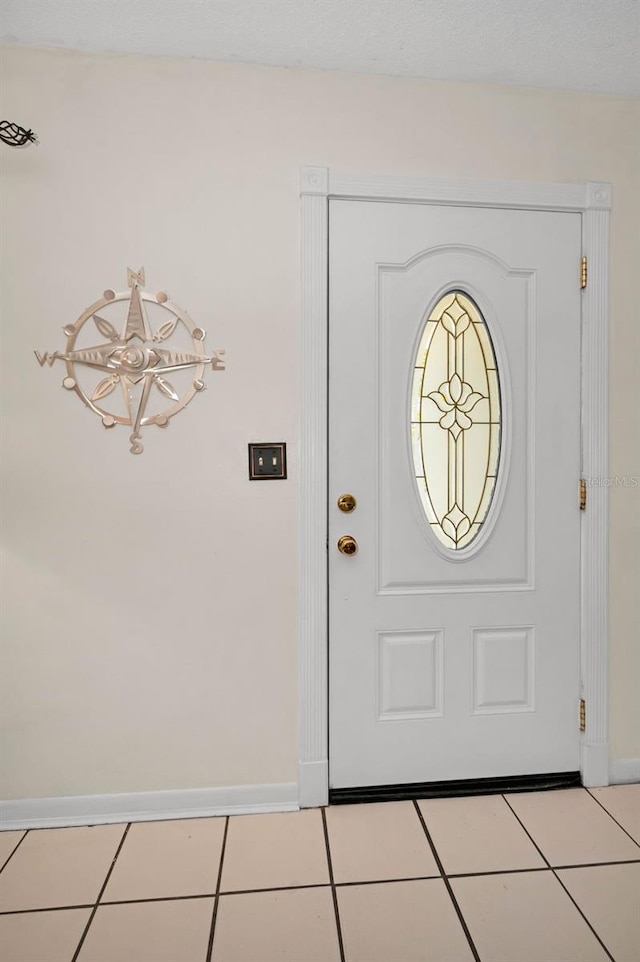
[
  {"x": 623, "y": 770},
  {"x": 314, "y": 784},
  {"x": 147, "y": 806}
]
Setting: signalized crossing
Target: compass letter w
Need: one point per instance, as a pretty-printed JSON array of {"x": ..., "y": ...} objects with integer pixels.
[{"x": 46, "y": 358}]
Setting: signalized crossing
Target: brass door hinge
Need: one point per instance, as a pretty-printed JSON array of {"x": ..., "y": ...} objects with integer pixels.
[
  {"x": 583, "y": 494},
  {"x": 583, "y": 715},
  {"x": 583, "y": 273}
]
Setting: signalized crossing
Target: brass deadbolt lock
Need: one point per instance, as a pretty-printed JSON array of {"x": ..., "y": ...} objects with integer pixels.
[
  {"x": 347, "y": 503},
  {"x": 347, "y": 544}
]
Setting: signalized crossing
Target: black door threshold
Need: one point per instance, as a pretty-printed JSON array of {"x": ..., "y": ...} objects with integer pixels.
[{"x": 464, "y": 786}]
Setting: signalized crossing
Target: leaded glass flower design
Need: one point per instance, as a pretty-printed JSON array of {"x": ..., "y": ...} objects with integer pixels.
[{"x": 456, "y": 420}]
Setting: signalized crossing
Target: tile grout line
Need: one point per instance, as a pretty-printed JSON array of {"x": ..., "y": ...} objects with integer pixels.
[
  {"x": 542, "y": 868},
  {"x": 100, "y": 893},
  {"x": 216, "y": 901},
  {"x": 47, "y": 908},
  {"x": 498, "y": 871},
  {"x": 614, "y": 818},
  {"x": 315, "y": 885},
  {"x": 387, "y": 881},
  {"x": 278, "y": 888},
  {"x": 17, "y": 846},
  {"x": 583, "y": 915},
  {"x": 556, "y": 876},
  {"x": 159, "y": 898},
  {"x": 446, "y": 881},
  {"x": 618, "y": 861},
  {"x": 89, "y": 905},
  {"x": 334, "y": 891}
]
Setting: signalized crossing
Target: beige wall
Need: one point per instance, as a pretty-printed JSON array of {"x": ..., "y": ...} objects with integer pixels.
[{"x": 150, "y": 603}]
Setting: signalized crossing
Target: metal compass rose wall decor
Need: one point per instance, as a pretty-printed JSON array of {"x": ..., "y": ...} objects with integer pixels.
[{"x": 150, "y": 362}]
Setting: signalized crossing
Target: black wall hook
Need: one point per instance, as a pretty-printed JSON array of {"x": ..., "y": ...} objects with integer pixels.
[{"x": 16, "y": 136}]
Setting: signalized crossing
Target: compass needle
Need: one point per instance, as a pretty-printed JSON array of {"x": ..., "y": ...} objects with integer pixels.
[
  {"x": 102, "y": 356},
  {"x": 144, "y": 397},
  {"x": 131, "y": 392},
  {"x": 136, "y": 324}
]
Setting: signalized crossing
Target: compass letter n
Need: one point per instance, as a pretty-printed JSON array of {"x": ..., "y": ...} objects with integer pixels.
[{"x": 135, "y": 278}]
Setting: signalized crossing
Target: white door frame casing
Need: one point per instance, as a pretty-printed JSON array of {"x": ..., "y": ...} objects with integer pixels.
[{"x": 593, "y": 202}]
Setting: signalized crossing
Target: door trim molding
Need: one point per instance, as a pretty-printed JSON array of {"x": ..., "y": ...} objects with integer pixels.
[{"x": 593, "y": 201}]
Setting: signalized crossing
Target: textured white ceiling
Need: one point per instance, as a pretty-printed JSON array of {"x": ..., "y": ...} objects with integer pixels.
[{"x": 591, "y": 45}]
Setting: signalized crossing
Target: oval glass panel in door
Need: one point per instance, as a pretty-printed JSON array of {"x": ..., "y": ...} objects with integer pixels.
[{"x": 456, "y": 420}]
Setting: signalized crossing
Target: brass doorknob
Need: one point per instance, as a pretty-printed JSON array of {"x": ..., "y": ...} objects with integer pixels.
[
  {"x": 347, "y": 503},
  {"x": 347, "y": 544}
]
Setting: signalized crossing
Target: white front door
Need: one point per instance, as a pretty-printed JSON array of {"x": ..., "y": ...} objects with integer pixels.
[{"x": 454, "y": 421}]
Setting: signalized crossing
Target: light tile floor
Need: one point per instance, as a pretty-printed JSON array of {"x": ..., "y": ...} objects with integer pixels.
[{"x": 531, "y": 877}]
